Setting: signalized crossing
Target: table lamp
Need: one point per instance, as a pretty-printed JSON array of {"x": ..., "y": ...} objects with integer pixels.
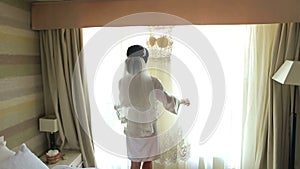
[
  {"x": 49, "y": 124},
  {"x": 289, "y": 74}
]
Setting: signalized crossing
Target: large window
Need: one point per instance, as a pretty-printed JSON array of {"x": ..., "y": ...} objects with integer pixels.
[{"x": 229, "y": 42}]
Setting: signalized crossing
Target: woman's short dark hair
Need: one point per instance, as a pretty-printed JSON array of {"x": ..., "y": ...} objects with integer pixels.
[{"x": 138, "y": 51}]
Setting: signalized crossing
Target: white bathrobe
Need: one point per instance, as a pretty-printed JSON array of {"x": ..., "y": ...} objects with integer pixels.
[{"x": 141, "y": 127}]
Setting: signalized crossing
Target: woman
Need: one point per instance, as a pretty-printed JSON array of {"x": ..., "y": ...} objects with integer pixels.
[{"x": 139, "y": 93}]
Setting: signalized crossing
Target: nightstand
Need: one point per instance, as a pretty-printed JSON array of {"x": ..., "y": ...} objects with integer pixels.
[{"x": 69, "y": 158}]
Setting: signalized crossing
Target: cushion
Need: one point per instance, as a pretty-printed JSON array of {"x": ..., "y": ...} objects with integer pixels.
[
  {"x": 23, "y": 159},
  {"x": 5, "y": 153}
]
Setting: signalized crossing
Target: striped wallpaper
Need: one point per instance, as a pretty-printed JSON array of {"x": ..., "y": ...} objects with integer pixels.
[{"x": 21, "y": 94}]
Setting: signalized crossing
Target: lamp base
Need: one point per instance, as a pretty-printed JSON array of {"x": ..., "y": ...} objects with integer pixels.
[
  {"x": 292, "y": 140},
  {"x": 293, "y": 124},
  {"x": 53, "y": 146}
]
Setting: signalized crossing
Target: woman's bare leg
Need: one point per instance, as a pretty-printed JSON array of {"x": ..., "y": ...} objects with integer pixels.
[
  {"x": 135, "y": 165},
  {"x": 147, "y": 165}
]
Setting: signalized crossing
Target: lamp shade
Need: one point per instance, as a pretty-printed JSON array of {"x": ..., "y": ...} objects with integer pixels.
[
  {"x": 288, "y": 73},
  {"x": 48, "y": 124}
]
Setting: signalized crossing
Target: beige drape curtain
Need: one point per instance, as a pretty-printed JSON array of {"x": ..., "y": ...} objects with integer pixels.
[
  {"x": 256, "y": 100},
  {"x": 286, "y": 47},
  {"x": 267, "y": 104},
  {"x": 64, "y": 95}
]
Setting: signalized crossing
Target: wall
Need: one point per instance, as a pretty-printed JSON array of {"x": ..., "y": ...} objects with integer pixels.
[{"x": 21, "y": 96}]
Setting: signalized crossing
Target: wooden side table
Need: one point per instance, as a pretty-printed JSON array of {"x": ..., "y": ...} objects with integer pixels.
[{"x": 69, "y": 157}]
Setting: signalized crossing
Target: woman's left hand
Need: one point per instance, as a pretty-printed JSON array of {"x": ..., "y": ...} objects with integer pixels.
[{"x": 185, "y": 101}]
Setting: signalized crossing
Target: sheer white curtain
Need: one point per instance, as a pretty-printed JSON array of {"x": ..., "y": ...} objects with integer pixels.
[{"x": 223, "y": 149}]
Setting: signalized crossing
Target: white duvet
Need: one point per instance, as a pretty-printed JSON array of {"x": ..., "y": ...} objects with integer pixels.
[{"x": 67, "y": 167}]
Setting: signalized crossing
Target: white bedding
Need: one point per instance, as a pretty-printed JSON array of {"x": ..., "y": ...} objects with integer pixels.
[
  {"x": 67, "y": 167},
  {"x": 23, "y": 159}
]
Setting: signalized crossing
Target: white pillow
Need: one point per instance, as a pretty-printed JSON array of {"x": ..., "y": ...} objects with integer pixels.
[
  {"x": 5, "y": 153},
  {"x": 63, "y": 167},
  {"x": 23, "y": 159},
  {"x": 67, "y": 167}
]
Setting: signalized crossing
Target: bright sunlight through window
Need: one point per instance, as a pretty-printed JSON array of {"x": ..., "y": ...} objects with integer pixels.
[{"x": 229, "y": 42}]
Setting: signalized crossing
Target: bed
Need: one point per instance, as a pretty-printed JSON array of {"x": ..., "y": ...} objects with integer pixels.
[{"x": 22, "y": 158}]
